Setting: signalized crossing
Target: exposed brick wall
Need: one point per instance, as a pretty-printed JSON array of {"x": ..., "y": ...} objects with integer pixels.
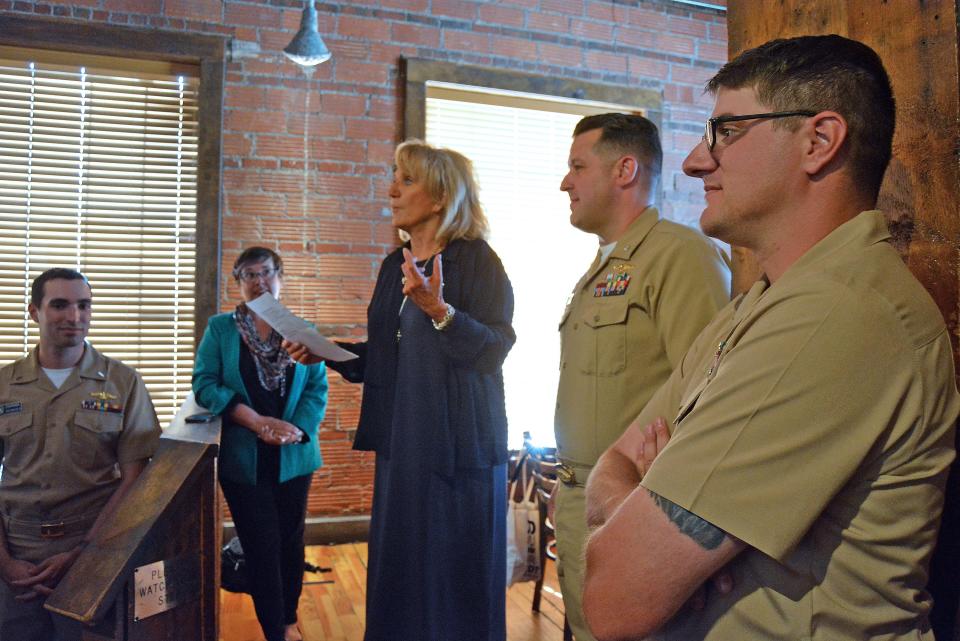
[{"x": 332, "y": 251}]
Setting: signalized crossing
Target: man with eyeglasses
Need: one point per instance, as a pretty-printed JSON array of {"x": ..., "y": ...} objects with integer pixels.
[
  {"x": 652, "y": 287},
  {"x": 803, "y": 443},
  {"x": 76, "y": 430}
]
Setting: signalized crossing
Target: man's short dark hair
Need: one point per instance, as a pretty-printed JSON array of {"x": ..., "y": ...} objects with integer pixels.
[
  {"x": 61, "y": 273},
  {"x": 824, "y": 73},
  {"x": 256, "y": 255},
  {"x": 627, "y": 134}
]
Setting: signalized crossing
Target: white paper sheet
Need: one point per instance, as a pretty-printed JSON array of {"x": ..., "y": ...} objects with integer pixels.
[{"x": 295, "y": 329}]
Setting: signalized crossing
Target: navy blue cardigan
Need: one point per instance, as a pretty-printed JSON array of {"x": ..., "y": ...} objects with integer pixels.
[{"x": 474, "y": 347}]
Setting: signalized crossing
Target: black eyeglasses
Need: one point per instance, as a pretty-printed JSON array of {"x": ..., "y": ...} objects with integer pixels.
[
  {"x": 710, "y": 128},
  {"x": 249, "y": 276}
]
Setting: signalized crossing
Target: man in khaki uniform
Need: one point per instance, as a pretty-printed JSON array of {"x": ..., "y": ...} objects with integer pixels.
[
  {"x": 813, "y": 420},
  {"x": 76, "y": 429},
  {"x": 651, "y": 289}
]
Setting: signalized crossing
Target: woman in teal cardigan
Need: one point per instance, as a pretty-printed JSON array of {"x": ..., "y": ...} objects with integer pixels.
[{"x": 272, "y": 408}]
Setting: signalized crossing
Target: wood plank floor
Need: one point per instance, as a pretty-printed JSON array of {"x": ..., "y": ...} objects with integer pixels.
[{"x": 334, "y": 611}]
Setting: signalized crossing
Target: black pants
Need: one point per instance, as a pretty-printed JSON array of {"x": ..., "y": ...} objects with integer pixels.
[{"x": 269, "y": 518}]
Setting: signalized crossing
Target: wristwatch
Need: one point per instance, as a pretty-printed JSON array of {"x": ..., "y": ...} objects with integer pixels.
[{"x": 444, "y": 322}]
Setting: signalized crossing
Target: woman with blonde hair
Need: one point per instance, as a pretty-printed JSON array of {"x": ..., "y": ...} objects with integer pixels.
[{"x": 433, "y": 410}]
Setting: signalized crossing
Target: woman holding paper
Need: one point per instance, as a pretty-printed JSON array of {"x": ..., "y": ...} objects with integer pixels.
[
  {"x": 433, "y": 411},
  {"x": 271, "y": 408}
]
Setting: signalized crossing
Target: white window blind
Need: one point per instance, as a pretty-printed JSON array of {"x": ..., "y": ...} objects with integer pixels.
[
  {"x": 519, "y": 145},
  {"x": 98, "y": 173}
]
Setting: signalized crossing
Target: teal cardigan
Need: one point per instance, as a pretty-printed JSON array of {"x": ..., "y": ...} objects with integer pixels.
[{"x": 216, "y": 381}]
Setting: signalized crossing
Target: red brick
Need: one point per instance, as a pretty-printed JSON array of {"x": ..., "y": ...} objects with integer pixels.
[
  {"x": 283, "y": 146},
  {"x": 240, "y": 180},
  {"x": 390, "y": 53},
  {"x": 350, "y": 49},
  {"x": 236, "y": 144},
  {"x": 718, "y": 31},
  {"x": 290, "y": 21},
  {"x": 466, "y": 41},
  {"x": 713, "y": 51},
  {"x": 690, "y": 74},
  {"x": 250, "y": 205},
  {"x": 681, "y": 45},
  {"x": 636, "y": 37},
  {"x": 253, "y": 121},
  {"x": 514, "y": 48},
  {"x": 253, "y": 15},
  {"x": 289, "y": 182},
  {"x": 321, "y": 125},
  {"x": 340, "y": 185},
  {"x": 498, "y": 14},
  {"x": 363, "y": 28},
  {"x": 415, "y": 34},
  {"x": 647, "y": 68},
  {"x": 351, "y": 266},
  {"x": 687, "y": 27},
  {"x": 602, "y": 61},
  {"x": 563, "y": 56},
  {"x": 153, "y": 7},
  {"x": 259, "y": 163},
  {"x": 361, "y": 72},
  {"x": 572, "y": 7},
  {"x": 455, "y": 9},
  {"x": 551, "y": 22},
  {"x": 246, "y": 97},
  {"x": 608, "y": 12},
  {"x": 592, "y": 30},
  {"x": 407, "y": 5},
  {"x": 649, "y": 19},
  {"x": 362, "y": 128},
  {"x": 210, "y": 10},
  {"x": 339, "y": 104}
]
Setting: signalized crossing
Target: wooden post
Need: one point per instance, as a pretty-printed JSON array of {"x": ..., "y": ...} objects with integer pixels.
[{"x": 918, "y": 43}]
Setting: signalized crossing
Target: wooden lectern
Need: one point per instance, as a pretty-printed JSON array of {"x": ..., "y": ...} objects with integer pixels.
[{"x": 153, "y": 574}]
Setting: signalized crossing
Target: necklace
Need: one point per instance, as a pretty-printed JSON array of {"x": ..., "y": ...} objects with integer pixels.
[{"x": 403, "y": 281}]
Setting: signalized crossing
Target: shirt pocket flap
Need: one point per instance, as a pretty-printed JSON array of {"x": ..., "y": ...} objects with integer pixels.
[
  {"x": 97, "y": 421},
  {"x": 612, "y": 313},
  {"x": 10, "y": 424}
]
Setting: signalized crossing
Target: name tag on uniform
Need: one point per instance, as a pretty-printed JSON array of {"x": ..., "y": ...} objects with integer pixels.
[{"x": 13, "y": 407}]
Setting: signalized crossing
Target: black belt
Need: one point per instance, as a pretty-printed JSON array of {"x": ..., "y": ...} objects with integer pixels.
[{"x": 50, "y": 529}]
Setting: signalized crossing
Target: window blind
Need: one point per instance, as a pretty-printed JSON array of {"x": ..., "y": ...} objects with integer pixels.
[
  {"x": 98, "y": 173},
  {"x": 519, "y": 144}
]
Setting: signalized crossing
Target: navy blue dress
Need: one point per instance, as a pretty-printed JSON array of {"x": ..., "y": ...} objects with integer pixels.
[{"x": 433, "y": 410}]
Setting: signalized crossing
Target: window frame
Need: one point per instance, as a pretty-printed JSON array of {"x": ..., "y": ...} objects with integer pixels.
[
  {"x": 416, "y": 72},
  {"x": 208, "y": 53}
]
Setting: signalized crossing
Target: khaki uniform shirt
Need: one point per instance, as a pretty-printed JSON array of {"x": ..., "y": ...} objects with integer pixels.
[
  {"x": 627, "y": 324},
  {"x": 814, "y": 420},
  {"x": 61, "y": 447}
]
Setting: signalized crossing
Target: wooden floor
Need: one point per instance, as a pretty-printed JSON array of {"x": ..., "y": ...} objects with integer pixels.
[{"x": 332, "y": 604}]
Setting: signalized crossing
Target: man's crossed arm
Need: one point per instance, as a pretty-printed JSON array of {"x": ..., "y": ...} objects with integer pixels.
[{"x": 649, "y": 556}]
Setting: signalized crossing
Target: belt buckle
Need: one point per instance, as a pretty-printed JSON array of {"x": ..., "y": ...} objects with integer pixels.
[
  {"x": 52, "y": 530},
  {"x": 566, "y": 474}
]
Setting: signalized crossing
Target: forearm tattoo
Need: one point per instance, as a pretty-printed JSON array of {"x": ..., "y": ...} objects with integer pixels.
[{"x": 706, "y": 534}]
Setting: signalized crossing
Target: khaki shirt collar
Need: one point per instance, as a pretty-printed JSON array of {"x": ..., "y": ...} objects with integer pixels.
[
  {"x": 865, "y": 229},
  {"x": 92, "y": 365},
  {"x": 628, "y": 243},
  {"x": 636, "y": 232}
]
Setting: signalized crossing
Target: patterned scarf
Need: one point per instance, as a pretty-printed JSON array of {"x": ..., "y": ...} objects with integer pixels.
[{"x": 271, "y": 360}]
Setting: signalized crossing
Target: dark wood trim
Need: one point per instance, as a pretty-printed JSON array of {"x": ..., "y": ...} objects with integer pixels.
[
  {"x": 415, "y": 72},
  {"x": 208, "y": 52}
]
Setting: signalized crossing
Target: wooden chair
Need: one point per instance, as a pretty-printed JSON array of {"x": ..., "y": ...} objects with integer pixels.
[{"x": 541, "y": 463}]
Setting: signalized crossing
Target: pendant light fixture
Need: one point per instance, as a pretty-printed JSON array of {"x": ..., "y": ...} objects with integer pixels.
[{"x": 307, "y": 48}]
